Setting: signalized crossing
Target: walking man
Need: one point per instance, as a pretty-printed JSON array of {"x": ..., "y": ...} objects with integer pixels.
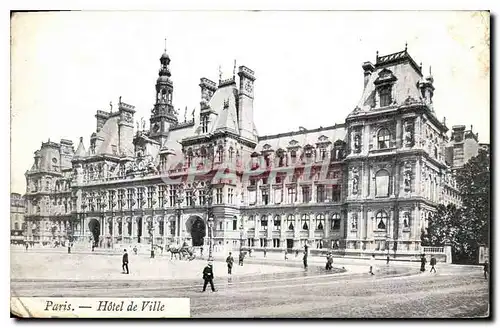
[
  {"x": 433, "y": 263},
  {"x": 265, "y": 252},
  {"x": 208, "y": 277},
  {"x": 125, "y": 261},
  {"x": 286, "y": 255},
  {"x": 26, "y": 245},
  {"x": 423, "y": 261},
  {"x": 304, "y": 259},
  {"x": 372, "y": 264},
  {"x": 241, "y": 257},
  {"x": 229, "y": 261},
  {"x": 486, "y": 268},
  {"x": 388, "y": 259}
]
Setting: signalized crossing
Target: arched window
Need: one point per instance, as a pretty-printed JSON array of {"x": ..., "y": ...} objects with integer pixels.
[
  {"x": 381, "y": 220},
  {"x": 231, "y": 154},
  {"x": 290, "y": 221},
  {"x": 383, "y": 138},
  {"x": 335, "y": 221},
  {"x": 189, "y": 158},
  {"x": 277, "y": 222},
  {"x": 281, "y": 157},
  {"x": 305, "y": 221},
  {"x": 320, "y": 222},
  {"x": 16, "y": 225},
  {"x": 382, "y": 183},
  {"x": 220, "y": 154},
  {"x": 263, "y": 222}
]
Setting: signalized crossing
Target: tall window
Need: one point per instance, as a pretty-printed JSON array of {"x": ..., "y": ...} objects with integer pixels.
[
  {"x": 308, "y": 152},
  {"x": 281, "y": 158},
  {"x": 336, "y": 193},
  {"x": 121, "y": 195},
  {"x": 231, "y": 154},
  {"x": 111, "y": 199},
  {"x": 292, "y": 194},
  {"x": 172, "y": 193},
  {"x": 306, "y": 194},
  {"x": 204, "y": 124},
  {"x": 140, "y": 197},
  {"x": 290, "y": 221},
  {"x": 320, "y": 222},
  {"x": 163, "y": 162},
  {"x": 230, "y": 194},
  {"x": 267, "y": 160},
  {"x": 384, "y": 138},
  {"x": 382, "y": 183},
  {"x": 265, "y": 196},
  {"x": 320, "y": 194},
  {"x": 263, "y": 222},
  {"x": 385, "y": 96},
  {"x": 161, "y": 227},
  {"x": 172, "y": 227},
  {"x": 161, "y": 195},
  {"x": 218, "y": 196},
  {"x": 220, "y": 154},
  {"x": 322, "y": 153},
  {"x": 277, "y": 222},
  {"x": 235, "y": 224},
  {"x": 98, "y": 203},
  {"x": 130, "y": 197},
  {"x": 189, "y": 198},
  {"x": 381, "y": 220},
  {"x": 150, "y": 197},
  {"x": 293, "y": 156},
  {"x": 304, "y": 222},
  {"x": 336, "y": 221},
  {"x": 189, "y": 158},
  {"x": 202, "y": 196}
]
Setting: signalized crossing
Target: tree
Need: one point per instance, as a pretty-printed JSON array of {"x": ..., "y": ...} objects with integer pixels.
[
  {"x": 475, "y": 183},
  {"x": 465, "y": 228}
]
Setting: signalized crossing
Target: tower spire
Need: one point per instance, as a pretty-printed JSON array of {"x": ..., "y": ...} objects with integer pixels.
[
  {"x": 220, "y": 74},
  {"x": 234, "y": 69},
  {"x": 406, "y": 46},
  {"x": 165, "y": 49}
]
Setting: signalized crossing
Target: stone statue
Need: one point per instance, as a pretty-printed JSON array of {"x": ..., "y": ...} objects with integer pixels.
[
  {"x": 354, "y": 221},
  {"x": 355, "y": 184},
  {"x": 408, "y": 136},
  {"x": 143, "y": 124},
  {"x": 357, "y": 143},
  {"x": 407, "y": 179}
]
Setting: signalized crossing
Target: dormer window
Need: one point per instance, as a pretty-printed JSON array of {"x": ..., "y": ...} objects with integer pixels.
[
  {"x": 220, "y": 154},
  {"x": 204, "y": 124},
  {"x": 383, "y": 138},
  {"x": 293, "y": 156},
  {"x": 385, "y": 95}
]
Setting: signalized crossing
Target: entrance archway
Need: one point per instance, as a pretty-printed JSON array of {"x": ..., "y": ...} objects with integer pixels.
[
  {"x": 95, "y": 230},
  {"x": 197, "y": 228}
]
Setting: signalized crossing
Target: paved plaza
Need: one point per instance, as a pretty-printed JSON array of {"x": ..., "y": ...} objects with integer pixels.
[{"x": 96, "y": 266}]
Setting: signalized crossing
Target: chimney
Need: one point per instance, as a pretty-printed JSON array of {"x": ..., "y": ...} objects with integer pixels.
[
  {"x": 368, "y": 68},
  {"x": 208, "y": 88}
]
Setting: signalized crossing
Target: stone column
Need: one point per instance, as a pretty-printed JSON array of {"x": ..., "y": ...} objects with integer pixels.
[
  {"x": 398, "y": 133},
  {"x": 296, "y": 230},
  {"x": 312, "y": 227},
  {"x": 326, "y": 227},
  {"x": 283, "y": 230}
]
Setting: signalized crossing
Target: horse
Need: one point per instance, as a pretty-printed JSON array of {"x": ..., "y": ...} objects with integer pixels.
[{"x": 181, "y": 251}]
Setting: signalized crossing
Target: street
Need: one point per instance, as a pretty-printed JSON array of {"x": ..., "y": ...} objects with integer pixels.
[{"x": 396, "y": 290}]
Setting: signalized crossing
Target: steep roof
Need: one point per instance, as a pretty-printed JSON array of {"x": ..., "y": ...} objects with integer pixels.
[{"x": 80, "y": 151}]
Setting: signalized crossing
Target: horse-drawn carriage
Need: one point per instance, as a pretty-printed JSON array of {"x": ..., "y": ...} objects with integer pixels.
[{"x": 183, "y": 252}]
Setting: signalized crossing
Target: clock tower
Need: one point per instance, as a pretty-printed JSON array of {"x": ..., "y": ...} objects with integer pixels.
[
  {"x": 245, "y": 108},
  {"x": 163, "y": 114}
]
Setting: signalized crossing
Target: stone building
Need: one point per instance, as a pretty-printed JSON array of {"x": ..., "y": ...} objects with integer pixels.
[
  {"x": 369, "y": 183},
  {"x": 16, "y": 218}
]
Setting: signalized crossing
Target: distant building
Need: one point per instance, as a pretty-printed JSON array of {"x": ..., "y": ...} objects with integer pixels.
[
  {"x": 369, "y": 183},
  {"x": 17, "y": 208},
  {"x": 462, "y": 147}
]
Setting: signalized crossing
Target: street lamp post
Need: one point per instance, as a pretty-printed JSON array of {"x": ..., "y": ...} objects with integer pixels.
[
  {"x": 151, "y": 236},
  {"x": 241, "y": 238},
  {"x": 210, "y": 225}
]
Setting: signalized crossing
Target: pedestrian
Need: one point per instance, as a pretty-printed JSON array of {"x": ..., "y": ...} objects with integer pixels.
[
  {"x": 201, "y": 251},
  {"x": 388, "y": 259},
  {"x": 265, "y": 252},
  {"x": 304, "y": 259},
  {"x": 229, "y": 261},
  {"x": 486, "y": 268},
  {"x": 250, "y": 252},
  {"x": 135, "y": 250},
  {"x": 372, "y": 264},
  {"x": 208, "y": 277},
  {"x": 93, "y": 246},
  {"x": 296, "y": 253},
  {"x": 125, "y": 262},
  {"x": 433, "y": 263},
  {"x": 69, "y": 248},
  {"x": 241, "y": 257},
  {"x": 329, "y": 261},
  {"x": 286, "y": 255},
  {"x": 423, "y": 261},
  {"x": 26, "y": 245}
]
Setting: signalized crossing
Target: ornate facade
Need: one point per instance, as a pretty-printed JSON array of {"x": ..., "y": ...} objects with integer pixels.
[{"x": 370, "y": 183}]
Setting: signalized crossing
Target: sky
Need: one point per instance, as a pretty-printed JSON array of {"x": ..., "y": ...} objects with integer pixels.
[{"x": 66, "y": 66}]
